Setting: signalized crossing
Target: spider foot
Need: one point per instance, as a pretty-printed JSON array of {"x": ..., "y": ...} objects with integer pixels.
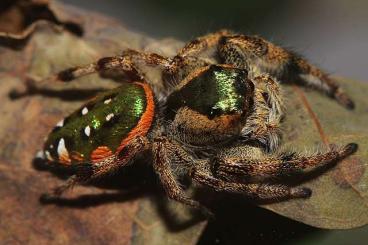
[
  {"x": 30, "y": 88},
  {"x": 349, "y": 149},
  {"x": 301, "y": 192},
  {"x": 344, "y": 99}
]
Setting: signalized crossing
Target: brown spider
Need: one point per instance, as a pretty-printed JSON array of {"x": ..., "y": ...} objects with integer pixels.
[{"x": 214, "y": 118}]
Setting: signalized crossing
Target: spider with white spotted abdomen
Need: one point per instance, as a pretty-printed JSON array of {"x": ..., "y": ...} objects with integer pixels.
[{"x": 218, "y": 119}]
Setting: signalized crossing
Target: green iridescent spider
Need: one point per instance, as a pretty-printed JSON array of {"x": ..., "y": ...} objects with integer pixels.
[{"x": 215, "y": 119}]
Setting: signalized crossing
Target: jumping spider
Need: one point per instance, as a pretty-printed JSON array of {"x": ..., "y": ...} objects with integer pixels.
[{"x": 216, "y": 120}]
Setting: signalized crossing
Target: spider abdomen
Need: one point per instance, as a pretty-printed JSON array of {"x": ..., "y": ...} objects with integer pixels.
[{"x": 103, "y": 126}]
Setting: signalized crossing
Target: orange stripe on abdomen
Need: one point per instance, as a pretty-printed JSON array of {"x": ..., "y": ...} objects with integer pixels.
[
  {"x": 144, "y": 124},
  {"x": 100, "y": 153}
]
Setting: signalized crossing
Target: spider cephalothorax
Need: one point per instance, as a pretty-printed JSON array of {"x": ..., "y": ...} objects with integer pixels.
[
  {"x": 211, "y": 105},
  {"x": 227, "y": 106}
]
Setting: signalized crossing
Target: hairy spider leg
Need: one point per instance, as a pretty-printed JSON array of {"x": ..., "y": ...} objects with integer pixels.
[
  {"x": 200, "y": 44},
  {"x": 127, "y": 62},
  {"x": 188, "y": 59},
  {"x": 258, "y": 191},
  {"x": 165, "y": 153},
  {"x": 261, "y": 56},
  {"x": 245, "y": 168},
  {"x": 264, "y": 123}
]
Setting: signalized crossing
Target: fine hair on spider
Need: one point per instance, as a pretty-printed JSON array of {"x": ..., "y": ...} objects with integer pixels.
[{"x": 214, "y": 119}]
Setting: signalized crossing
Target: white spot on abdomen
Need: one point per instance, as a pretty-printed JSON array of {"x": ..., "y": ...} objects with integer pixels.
[
  {"x": 44, "y": 155},
  {"x": 84, "y": 110},
  {"x": 40, "y": 155},
  {"x": 87, "y": 131},
  {"x": 60, "y": 123},
  {"x": 107, "y": 101},
  {"x": 109, "y": 116},
  {"x": 61, "y": 149},
  {"x": 48, "y": 156}
]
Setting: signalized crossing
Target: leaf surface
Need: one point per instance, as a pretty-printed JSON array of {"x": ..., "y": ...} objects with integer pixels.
[
  {"x": 119, "y": 210},
  {"x": 110, "y": 213}
]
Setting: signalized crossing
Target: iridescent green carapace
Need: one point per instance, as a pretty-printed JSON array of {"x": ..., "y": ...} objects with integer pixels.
[{"x": 216, "y": 91}]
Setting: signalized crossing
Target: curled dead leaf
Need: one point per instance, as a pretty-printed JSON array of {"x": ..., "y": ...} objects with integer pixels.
[
  {"x": 20, "y": 19},
  {"x": 339, "y": 196}
]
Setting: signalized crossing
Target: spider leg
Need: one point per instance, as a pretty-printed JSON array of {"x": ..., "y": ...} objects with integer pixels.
[
  {"x": 85, "y": 172},
  {"x": 247, "y": 168},
  {"x": 312, "y": 76},
  {"x": 257, "y": 191},
  {"x": 261, "y": 56},
  {"x": 203, "y": 43},
  {"x": 127, "y": 63},
  {"x": 187, "y": 58},
  {"x": 263, "y": 124},
  {"x": 59, "y": 190},
  {"x": 166, "y": 153}
]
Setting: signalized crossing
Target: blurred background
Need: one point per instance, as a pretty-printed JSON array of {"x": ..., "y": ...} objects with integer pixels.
[{"x": 331, "y": 33}]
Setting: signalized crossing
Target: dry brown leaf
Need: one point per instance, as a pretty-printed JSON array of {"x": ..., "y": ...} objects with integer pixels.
[
  {"x": 105, "y": 214},
  {"x": 110, "y": 214},
  {"x": 340, "y": 196},
  {"x": 19, "y": 19}
]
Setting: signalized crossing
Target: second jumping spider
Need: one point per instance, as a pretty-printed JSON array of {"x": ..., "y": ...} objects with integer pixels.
[{"x": 216, "y": 121}]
